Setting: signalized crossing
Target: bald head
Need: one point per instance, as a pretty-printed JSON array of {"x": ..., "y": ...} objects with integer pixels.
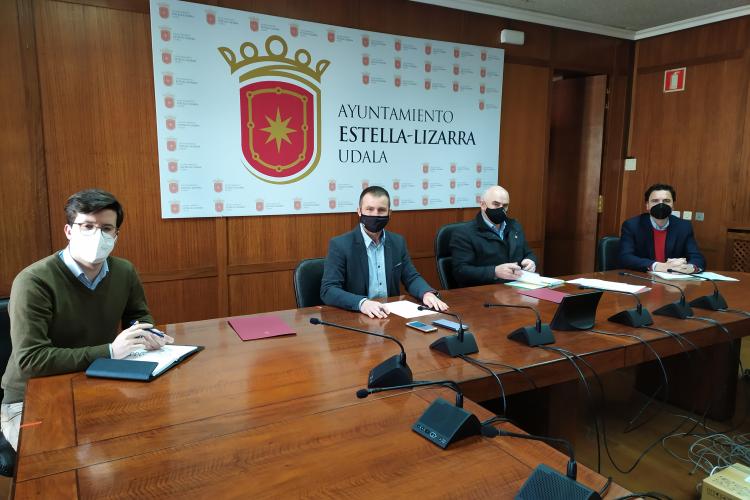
[{"x": 495, "y": 197}]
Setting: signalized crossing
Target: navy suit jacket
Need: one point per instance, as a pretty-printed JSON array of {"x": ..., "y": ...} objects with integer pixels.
[
  {"x": 346, "y": 274},
  {"x": 637, "y": 243}
]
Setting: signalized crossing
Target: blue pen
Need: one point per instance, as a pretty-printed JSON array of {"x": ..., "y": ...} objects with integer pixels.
[{"x": 152, "y": 330}]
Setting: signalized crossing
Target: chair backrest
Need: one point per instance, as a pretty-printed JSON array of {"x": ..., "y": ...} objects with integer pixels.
[
  {"x": 443, "y": 258},
  {"x": 307, "y": 277},
  {"x": 607, "y": 252},
  {"x": 5, "y": 345}
]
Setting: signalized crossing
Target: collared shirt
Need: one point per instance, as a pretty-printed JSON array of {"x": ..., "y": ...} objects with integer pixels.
[
  {"x": 497, "y": 230},
  {"x": 656, "y": 226},
  {"x": 67, "y": 258},
  {"x": 377, "y": 286}
]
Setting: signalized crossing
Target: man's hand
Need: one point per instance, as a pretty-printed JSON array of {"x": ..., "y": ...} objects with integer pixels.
[
  {"x": 136, "y": 337},
  {"x": 677, "y": 264},
  {"x": 430, "y": 300},
  {"x": 509, "y": 271},
  {"x": 528, "y": 265},
  {"x": 374, "y": 309}
]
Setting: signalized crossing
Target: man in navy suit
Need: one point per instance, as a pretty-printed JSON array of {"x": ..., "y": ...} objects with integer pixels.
[
  {"x": 368, "y": 263},
  {"x": 657, "y": 240}
]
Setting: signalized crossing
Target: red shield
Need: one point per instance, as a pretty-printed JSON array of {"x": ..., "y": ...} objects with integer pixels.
[
  {"x": 478, "y": 183},
  {"x": 453, "y": 183},
  {"x": 397, "y": 63},
  {"x": 456, "y": 69},
  {"x": 166, "y": 57},
  {"x": 365, "y": 78},
  {"x": 210, "y": 18},
  {"x": 169, "y": 101},
  {"x": 425, "y": 201},
  {"x": 219, "y": 206},
  {"x": 427, "y": 85},
  {"x": 171, "y": 144},
  {"x": 425, "y": 167},
  {"x": 483, "y": 72},
  {"x": 481, "y": 89},
  {"x": 166, "y": 35},
  {"x": 427, "y": 67},
  {"x": 365, "y": 41},
  {"x": 481, "y": 105},
  {"x": 218, "y": 186},
  {"x": 170, "y": 123},
  {"x": 396, "y": 185},
  {"x": 479, "y": 168},
  {"x": 456, "y": 52},
  {"x": 484, "y": 55},
  {"x": 397, "y": 81},
  {"x": 297, "y": 204},
  {"x": 478, "y": 199},
  {"x": 332, "y": 203},
  {"x": 397, "y": 45},
  {"x": 425, "y": 184},
  {"x": 279, "y": 129},
  {"x": 453, "y": 168},
  {"x": 366, "y": 60},
  {"x": 428, "y": 49},
  {"x": 168, "y": 79},
  {"x": 172, "y": 165},
  {"x": 174, "y": 207},
  {"x": 294, "y": 30},
  {"x": 173, "y": 187},
  {"x": 396, "y": 201},
  {"x": 253, "y": 24},
  {"x": 331, "y": 36},
  {"x": 164, "y": 11},
  {"x": 259, "y": 205},
  {"x": 332, "y": 185},
  {"x": 455, "y": 86},
  {"x": 453, "y": 199},
  {"x": 365, "y": 185}
]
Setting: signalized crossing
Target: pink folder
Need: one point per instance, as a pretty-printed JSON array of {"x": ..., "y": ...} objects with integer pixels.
[
  {"x": 545, "y": 294},
  {"x": 260, "y": 327}
]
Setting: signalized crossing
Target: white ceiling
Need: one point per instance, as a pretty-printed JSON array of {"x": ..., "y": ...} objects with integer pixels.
[{"x": 629, "y": 19}]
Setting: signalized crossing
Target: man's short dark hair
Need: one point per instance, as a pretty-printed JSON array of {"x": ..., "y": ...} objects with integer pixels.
[
  {"x": 91, "y": 201},
  {"x": 377, "y": 192},
  {"x": 660, "y": 187}
]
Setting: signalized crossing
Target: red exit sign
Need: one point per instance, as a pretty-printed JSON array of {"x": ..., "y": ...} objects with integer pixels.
[{"x": 674, "y": 80}]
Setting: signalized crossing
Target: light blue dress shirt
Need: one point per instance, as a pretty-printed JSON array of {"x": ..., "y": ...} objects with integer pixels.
[
  {"x": 377, "y": 286},
  {"x": 656, "y": 226},
  {"x": 497, "y": 231},
  {"x": 71, "y": 264}
]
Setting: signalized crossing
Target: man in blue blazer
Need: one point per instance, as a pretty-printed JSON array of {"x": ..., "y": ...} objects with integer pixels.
[
  {"x": 368, "y": 263},
  {"x": 657, "y": 240}
]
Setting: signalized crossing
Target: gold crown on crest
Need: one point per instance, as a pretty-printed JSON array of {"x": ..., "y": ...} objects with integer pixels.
[{"x": 274, "y": 62}]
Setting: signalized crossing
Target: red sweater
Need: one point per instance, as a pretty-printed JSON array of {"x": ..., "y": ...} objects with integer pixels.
[{"x": 660, "y": 245}]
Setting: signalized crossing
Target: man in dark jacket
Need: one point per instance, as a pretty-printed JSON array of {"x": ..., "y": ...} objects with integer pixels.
[
  {"x": 657, "y": 240},
  {"x": 492, "y": 247},
  {"x": 368, "y": 263}
]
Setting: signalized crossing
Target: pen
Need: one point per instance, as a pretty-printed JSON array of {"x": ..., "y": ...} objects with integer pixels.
[{"x": 152, "y": 330}]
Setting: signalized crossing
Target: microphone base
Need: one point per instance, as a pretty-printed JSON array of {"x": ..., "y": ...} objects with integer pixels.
[
  {"x": 390, "y": 373},
  {"x": 545, "y": 482},
  {"x": 443, "y": 423},
  {"x": 630, "y": 317},
  {"x": 530, "y": 336},
  {"x": 675, "y": 310},
  {"x": 452, "y": 346},
  {"x": 712, "y": 302}
]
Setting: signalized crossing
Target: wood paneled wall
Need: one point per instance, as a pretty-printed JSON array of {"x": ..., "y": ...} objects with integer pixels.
[
  {"x": 78, "y": 112},
  {"x": 695, "y": 140}
]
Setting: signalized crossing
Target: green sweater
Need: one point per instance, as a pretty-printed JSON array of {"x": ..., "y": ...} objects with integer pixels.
[{"x": 57, "y": 325}]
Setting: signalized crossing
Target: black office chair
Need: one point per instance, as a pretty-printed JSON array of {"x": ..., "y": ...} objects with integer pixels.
[
  {"x": 7, "y": 453},
  {"x": 443, "y": 257},
  {"x": 307, "y": 277},
  {"x": 607, "y": 252}
]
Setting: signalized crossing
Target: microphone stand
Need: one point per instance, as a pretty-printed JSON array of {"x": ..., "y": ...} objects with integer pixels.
[
  {"x": 636, "y": 318},
  {"x": 713, "y": 302},
  {"x": 679, "y": 309},
  {"x": 539, "y": 334},
  {"x": 454, "y": 345}
]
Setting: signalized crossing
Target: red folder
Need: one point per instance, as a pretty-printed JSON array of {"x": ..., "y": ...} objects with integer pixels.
[
  {"x": 260, "y": 327},
  {"x": 545, "y": 294}
]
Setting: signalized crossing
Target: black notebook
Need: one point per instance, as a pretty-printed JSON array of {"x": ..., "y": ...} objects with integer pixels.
[{"x": 142, "y": 365}]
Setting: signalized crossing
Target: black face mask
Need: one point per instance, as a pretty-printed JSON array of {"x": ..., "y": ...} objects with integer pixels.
[
  {"x": 496, "y": 215},
  {"x": 374, "y": 223},
  {"x": 660, "y": 211}
]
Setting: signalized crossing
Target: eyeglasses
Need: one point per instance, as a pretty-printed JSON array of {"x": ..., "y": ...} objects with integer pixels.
[{"x": 89, "y": 228}]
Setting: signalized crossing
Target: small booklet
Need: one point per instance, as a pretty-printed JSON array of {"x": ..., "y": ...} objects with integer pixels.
[
  {"x": 142, "y": 365},
  {"x": 532, "y": 281}
]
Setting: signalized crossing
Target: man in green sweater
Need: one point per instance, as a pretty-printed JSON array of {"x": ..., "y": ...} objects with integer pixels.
[{"x": 74, "y": 306}]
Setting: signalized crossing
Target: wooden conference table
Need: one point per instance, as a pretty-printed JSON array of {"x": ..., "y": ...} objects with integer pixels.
[{"x": 279, "y": 417}]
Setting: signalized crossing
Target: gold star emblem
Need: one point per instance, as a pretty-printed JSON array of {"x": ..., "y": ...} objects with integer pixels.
[{"x": 277, "y": 130}]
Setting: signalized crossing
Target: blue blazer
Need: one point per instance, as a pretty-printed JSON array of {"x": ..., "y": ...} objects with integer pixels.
[
  {"x": 637, "y": 243},
  {"x": 346, "y": 275}
]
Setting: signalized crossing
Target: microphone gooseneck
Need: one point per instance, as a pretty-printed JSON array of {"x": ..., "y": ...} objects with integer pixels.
[
  {"x": 318, "y": 321},
  {"x": 538, "y": 317},
  {"x": 363, "y": 393},
  {"x": 682, "y": 293}
]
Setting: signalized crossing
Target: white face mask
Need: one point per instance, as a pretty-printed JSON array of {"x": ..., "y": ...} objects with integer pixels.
[{"x": 93, "y": 249}]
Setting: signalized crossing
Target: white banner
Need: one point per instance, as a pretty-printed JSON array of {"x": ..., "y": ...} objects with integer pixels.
[{"x": 261, "y": 115}]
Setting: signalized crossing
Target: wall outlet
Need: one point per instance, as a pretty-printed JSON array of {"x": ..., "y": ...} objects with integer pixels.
[
  {"x": 699, "y": 216},
  {"x": 676, "y": 213},
  {"x": 687, "y": 215},
  {"x": 629, "y": 163}
]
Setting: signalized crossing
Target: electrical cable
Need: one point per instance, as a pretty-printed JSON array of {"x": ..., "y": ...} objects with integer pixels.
[
  {"x": 514, "y": 368},
  {"x": 491, "y": 372}
]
